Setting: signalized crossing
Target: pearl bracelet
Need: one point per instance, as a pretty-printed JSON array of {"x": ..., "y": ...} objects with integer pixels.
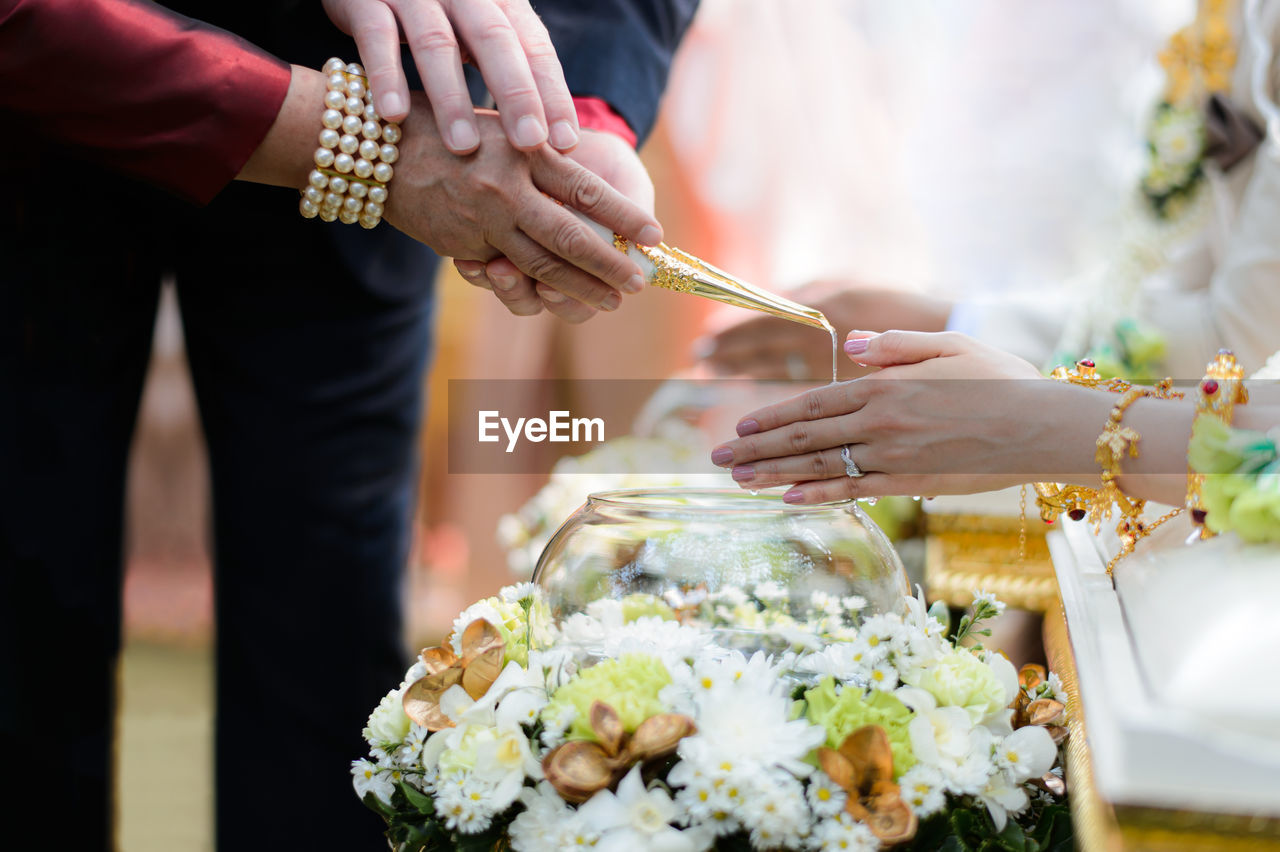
[{"x": 353, "y": 162}]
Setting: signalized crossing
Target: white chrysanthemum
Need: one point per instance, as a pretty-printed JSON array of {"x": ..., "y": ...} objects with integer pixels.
[
  {"x": 703, "y": 798},
  {"x": 923, "y": 789},
  {"x": 842, "y": 833},
  {"x": 366, "y": 777},
  {"x": 883, "y": 677},
  {"x": 547, "y": 824},
  {"x": 518, "y": 592},
  {"x": 669, "y": 641},
  {"x": 1056, "y": 691},
  {"x": 826, "y": 797},
  {"x": 744, "y": 727},
  {"x": 635, "y": 818},
  {"x": 776, "y": 815},
  {"x": 466, "y": 803},
  {"x": 990, "y": 599},
  {"x": 388, "y": 725},
  {"x": 771, "y": 592},
  {"x": 410, "y": 754}
]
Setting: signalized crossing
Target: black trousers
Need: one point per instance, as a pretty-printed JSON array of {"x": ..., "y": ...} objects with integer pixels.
[{"x": 307, "y": 344}]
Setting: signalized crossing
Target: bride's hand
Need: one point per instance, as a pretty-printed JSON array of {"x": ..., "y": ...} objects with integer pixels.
[{"x": 946, "y": 414}]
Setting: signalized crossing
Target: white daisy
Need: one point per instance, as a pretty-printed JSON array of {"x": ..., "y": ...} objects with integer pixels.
[{"x": 826, "y": 798}]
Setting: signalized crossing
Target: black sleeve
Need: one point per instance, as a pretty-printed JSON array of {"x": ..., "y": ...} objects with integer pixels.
[{"x": 618, "y": 50}]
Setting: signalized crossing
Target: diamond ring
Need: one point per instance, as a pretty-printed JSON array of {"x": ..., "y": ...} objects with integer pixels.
[{"x": 850, "y": 466}]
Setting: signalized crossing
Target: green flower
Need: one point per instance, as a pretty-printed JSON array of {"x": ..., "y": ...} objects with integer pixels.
[
  {"x": 1255, "y": 514},
  {"x": 1143, "y": 346},
  {"x": 844, "y": 712},
  {"x": 640, "y": 605},
  {"x": 1217, "y": 448},
  {"x": 960, "y": 679},
  {"x": 1218, "y": 495},
  {"x": 629, "y": 684}
]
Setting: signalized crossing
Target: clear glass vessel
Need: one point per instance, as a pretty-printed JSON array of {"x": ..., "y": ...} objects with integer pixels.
[{"x": 757, "y": 572}]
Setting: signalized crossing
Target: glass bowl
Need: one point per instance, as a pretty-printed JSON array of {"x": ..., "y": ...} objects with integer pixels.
[{"x": 757, "y": 572}]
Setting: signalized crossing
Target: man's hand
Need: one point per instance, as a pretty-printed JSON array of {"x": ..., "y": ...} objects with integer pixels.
[
  {"x": 504, "y": 38},
  {"x": 500, "y": 202},
  {"x": 611, "y": 159}
]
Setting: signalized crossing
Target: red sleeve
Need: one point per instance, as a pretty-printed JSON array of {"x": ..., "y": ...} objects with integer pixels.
[
  {"x": 139, "y": 89},
  {"x": 595, "y": 114}
]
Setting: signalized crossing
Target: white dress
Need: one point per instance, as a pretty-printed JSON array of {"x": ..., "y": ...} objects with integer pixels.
[{"x": 1221, "y": 285}]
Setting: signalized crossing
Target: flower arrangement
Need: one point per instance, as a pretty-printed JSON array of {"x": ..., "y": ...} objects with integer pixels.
[
  {"x": 1241, "y": 490},
  {"x": 632, "y": 726}
]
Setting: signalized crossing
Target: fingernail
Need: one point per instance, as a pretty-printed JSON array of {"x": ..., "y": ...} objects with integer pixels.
[
  {"x": 635, "y": 285},
  {"x": 529, "y": 132},
  {"x": 743, "y": 472},
  {"x": 464, "y": 136},
  {"x": 553, "y": 296},
  {"x": 392, "y": 104},
  {"x": 563, "y": 136},
  {"x": 650, "y": 236},
  {"x": 611, "y": 302},
  {"x": 857, "y": 346},
  {"x": 748, "y": 427},
  {"x": 795, "y": 495},
  {"x": 721, "y": 456},
  {"x": 502, "y": 282},
  {"x": 471, "y": 273}
]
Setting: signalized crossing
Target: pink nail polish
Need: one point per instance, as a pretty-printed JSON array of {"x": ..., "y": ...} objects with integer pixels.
[
  {"x": 795, "y": 495},
  {"x": 721, "y": 456},
  {"x": 857, "y": 346},
  {"x": 748, "y": 427},
  {"x": 743, "y": 473}
]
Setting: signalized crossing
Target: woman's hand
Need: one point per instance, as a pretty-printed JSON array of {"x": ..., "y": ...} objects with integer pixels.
[
  {"x": 504, "y": 38},
  {"x": 946, "y": 415},
  {"x": 613, "y": 160},
  {"x": 765, "y": 348}
]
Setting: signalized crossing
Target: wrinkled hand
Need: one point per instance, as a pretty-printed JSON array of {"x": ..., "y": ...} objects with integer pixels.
[
  {"x": 492, "y": 203},
  {"x": 766, "y": 348},
  {"x": 504, "y": 38},
  {"x": 946, "y": 415},
  {"x": 614, "y": 161}
]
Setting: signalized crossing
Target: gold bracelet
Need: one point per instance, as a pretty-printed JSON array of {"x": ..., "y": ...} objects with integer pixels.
[
  {"x": 1220, "y": 391},
  {"x": 353, "y": 162},
  {"x": 1079, "y": 502},
  {"x": 1116, "y": 441}
]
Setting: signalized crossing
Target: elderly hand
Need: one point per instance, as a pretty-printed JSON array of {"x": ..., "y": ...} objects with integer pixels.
[
  {"x": 763, "y": 347},
  {"x": 503, "y": 202},
  {"x": 614, "y": 161},
  {"x": 504, "y": 38},
  {"x": 946, "y": 415}
]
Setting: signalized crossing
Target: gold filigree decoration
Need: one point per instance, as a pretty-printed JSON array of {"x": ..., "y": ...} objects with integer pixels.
[
  {"x": 581, "y": 768},
  {"x": 475, "y": 671}
]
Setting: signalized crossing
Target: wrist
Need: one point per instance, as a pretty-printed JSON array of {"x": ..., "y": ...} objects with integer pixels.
[{"x": 283, "y": 157}]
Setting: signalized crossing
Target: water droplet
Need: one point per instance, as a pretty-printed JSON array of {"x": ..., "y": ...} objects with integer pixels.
[
  {"x": 755, "y": 492},
  {"x": 871, "y": 501}
]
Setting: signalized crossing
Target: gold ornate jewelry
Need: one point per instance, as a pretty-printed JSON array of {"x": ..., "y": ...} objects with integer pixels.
[
  {"x": 1116, "y": 440},
  {"x": 1220, "y": 391}
]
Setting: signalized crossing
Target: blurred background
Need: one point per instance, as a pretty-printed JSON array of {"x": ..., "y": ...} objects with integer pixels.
[{"x": 953, "y": 149}]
